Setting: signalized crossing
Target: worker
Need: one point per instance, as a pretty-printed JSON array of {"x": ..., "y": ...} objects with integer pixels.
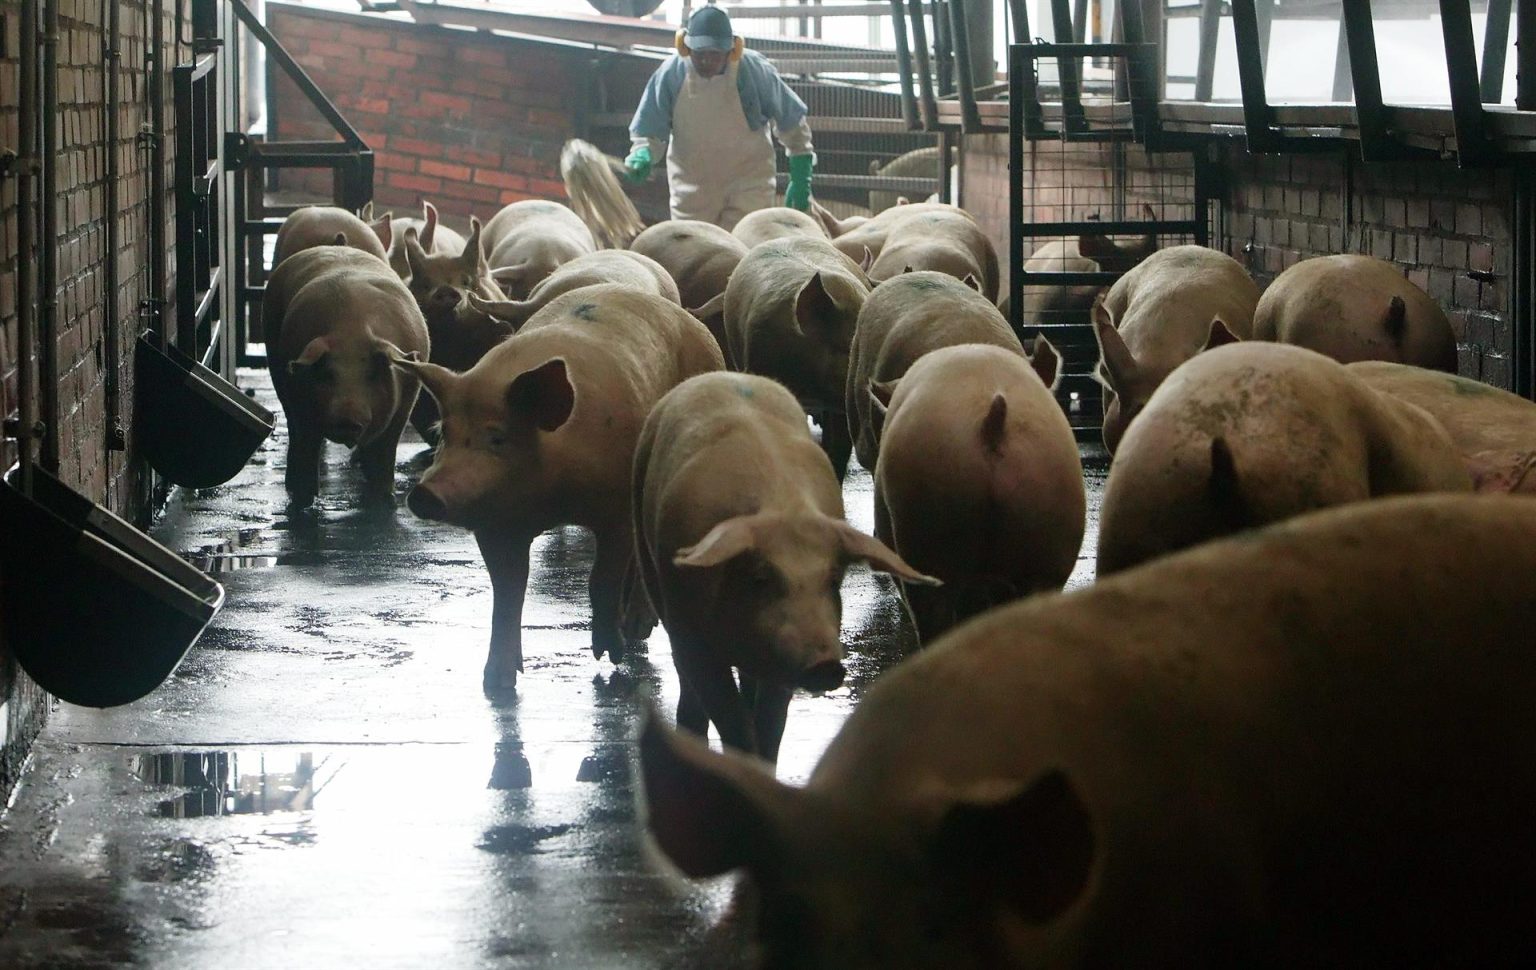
[{"x": 714, "y": 100}]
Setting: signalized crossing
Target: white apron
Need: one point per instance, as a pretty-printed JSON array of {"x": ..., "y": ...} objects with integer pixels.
[{"x": 717, "y": 167}]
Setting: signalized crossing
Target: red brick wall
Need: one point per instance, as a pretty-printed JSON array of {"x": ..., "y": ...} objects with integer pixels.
[
  {"x": 1435, "y": 221},
  {"x": 466, "y": 120}
]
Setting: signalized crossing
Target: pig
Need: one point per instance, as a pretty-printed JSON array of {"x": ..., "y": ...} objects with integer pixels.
[
  {"x": 1311, "y": 745},
  {"x": 1353, "y": 307},
  {"x": 701, "y": 257},
  {"x": 1089, "y": 253},
  {"x": 527, "y": 240},
  {"x": 936, "y": 238},
  {"x": 319, "y": 225},
  {"x": 1493, "y": 430},
  {"x": 872, "y": 233},
  {"x": 604, "y": 266},
  {"x": 1256, "y": 432},
  {"x": 542, "y": 432},
  {"x": 336, "y": 317},
  {"x": 435, "y": 239},
  {"x": 1175, "y": 303},
  {"x": 902, "y": 320},
  {"x": 742, "y": 547},
  {"x": 461, "y": 332},
  {"x": 776, "y": 222},
  {"x": 979, "y": 482},
  {"x": 918, "y": 163},
  {"x": 790, "y": 312}
]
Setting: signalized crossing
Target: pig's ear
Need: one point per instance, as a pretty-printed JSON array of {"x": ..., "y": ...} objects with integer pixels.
[
  {"x": 711, "y": 813},
  {"x": 726, "y": 541},
  {"x": 971, "y": 281},
  {"x": 514, "y": 312},
  {"x": 436, "y": 378},
  {"x": 340, "y": 239},
  {"x": 415, "y": 256},
  {"x": 383, "y": 227},
  {"x": 1116, "y": 364},
  {"x": 1498, "y": 472},
  {"x": 1097, "y": 248},
  {"x": 1045, "y": 361},
  {"x": 473, "y": 257},
  {"x": 1030, "y": 853},
  {"x": 867, "y": 260},
  {"x": 857, "y": 545},
  {"x": 366, "y": 212},
  {"x": 544, "y": 394},
  {"x": 814, "y": 306},
  {"x": 1221, "y": 335},
  {"x": 313, "y": 352},
  {"x": 712, "y": 306},
  {"x": 1225, "y": 486},
  {"x": 429, "y": 225}
]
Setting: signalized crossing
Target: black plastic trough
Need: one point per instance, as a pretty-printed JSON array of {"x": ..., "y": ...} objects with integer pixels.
[
  {"x": 193, "y": 426},
  {"x": 95, "y": 611}
]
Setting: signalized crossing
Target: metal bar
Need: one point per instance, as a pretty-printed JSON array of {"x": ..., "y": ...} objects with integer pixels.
[
  {"x": 1069, "y": 279},
  {"x": 26, "y": 241},
  {"x": 112, "y": 135},
  {"x": 1473, "y": 146},
  {"x": 1204, "y": 168},
  {"x": 1525, "y": 55},
  {"x": 924, "y": 68},
  {"x": 1495, "y": 47},
  {"x": 157, "y": 191},
  {"x": 904, "y": 65},
  {"x": 1210, "y": 28},
  {"x": 1258, "y": 119},
  {"x": 946, "y": 180},
  {"x": 814, "y": 13},
  {"x": 1142, "y": 73},
  {"x": 1376, "y": 142},
  {"x": 1080, "y": 21},
  {"x": 970, "y": 118},
  {"x": 187, "y": 203},
  {"x": 1019, "y": 10},
  {"x": 880, "y": 182},
  {"x": 1522, "y": 296},
  {"x": 1121, "y": 49},
  {"x": 942, "y": 49},
  {"x": 1019, "y": 66},
  {"x": 1069, "y": 70},
  {"x": 1264, "y": 11},
  {"x": 297, "y": 74},
  {"x": 48, "y": 257},
  {"x": 1093, "y": 227},
  {"x": 1342, "y": 89}
]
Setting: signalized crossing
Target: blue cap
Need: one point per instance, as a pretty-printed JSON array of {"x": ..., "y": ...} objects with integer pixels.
[{"x": 709, "y": 29}]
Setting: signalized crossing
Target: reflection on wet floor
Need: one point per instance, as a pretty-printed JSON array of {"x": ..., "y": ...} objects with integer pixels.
[{"x": 324, "y": 783}]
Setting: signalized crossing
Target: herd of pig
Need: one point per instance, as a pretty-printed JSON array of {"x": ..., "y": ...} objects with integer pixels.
[{"x": 1306, "y": 744}]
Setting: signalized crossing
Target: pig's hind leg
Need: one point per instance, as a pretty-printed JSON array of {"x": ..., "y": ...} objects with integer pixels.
[
  {"x": 610, "y": 570},
  {"x": 770, "y": 709},
  {"x": 377, "y": 458}
]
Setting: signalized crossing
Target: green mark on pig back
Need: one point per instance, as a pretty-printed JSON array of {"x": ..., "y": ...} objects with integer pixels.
[
  {"x": 922, "y": 284},
  {"x": 1466, "y": 387},
  {"x": 586, "y": 311}
]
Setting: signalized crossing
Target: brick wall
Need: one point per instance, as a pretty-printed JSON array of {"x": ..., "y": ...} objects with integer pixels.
[
  {"x": 1436, "y": 222},
  {"x": 109, "y": 477},
  {"x": 466, "y": 120}
]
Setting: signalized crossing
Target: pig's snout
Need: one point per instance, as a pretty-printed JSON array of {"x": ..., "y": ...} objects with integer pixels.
[
  {"x": 445, "y": 297},
  {"x": 825, "y": 676},
  {"x": 346, "y": 431},
  {"x": 427, "y": 504}
]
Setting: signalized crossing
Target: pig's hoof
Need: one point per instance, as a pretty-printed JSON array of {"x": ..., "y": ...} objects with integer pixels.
[{"x": 499, "y": 679}]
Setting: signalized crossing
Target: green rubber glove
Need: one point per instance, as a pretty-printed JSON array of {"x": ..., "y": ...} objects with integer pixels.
[
  {"x": 637, "y": 167},
  {"x": 797, "y": 195}
]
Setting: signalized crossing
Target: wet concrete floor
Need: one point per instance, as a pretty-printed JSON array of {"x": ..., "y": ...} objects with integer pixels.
[{"x": 323, "y": 783}]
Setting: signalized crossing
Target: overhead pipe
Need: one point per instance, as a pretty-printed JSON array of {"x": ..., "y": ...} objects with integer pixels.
[
  {"x": 48, "y": 256},
  {"x": 27, "y": 430}
]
